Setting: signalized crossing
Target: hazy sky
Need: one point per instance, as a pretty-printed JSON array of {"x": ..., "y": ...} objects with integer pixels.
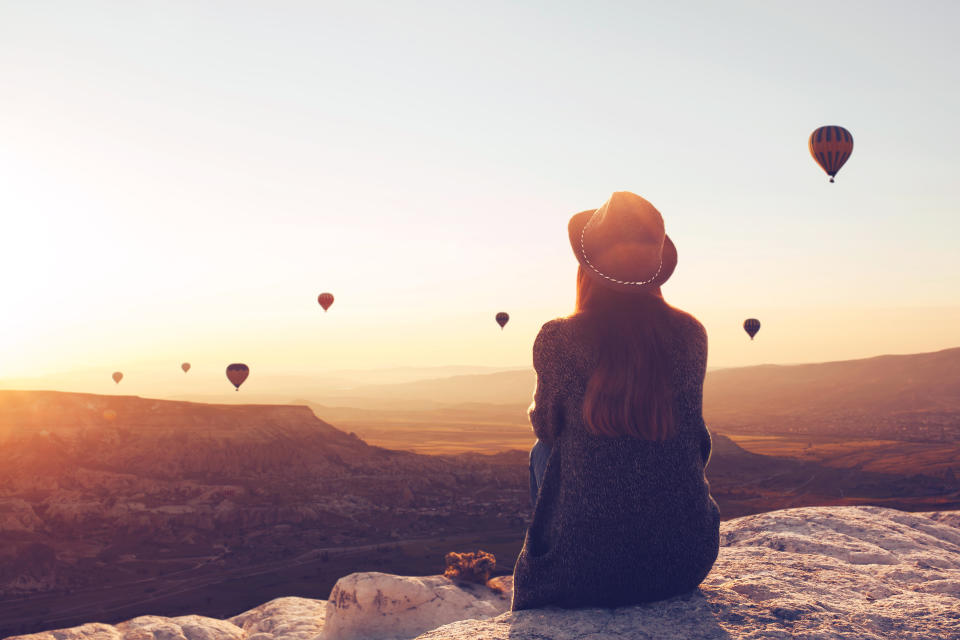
[{"x": 179, "y": 180}]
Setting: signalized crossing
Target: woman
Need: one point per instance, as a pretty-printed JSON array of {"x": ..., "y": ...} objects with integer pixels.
[{"x": 623, "y": 512}]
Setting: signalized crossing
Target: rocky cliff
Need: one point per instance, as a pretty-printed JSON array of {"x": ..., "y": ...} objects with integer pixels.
[
  {"x": 99, "y": 491},
  {"x": 814, "y": 572}
]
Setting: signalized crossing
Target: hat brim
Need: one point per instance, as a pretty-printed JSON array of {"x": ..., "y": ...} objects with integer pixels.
[{"x": 667, "y": 265}]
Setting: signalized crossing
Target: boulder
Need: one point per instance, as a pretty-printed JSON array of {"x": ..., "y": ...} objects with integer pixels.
[
  {"x": 179, "y": 628},
  {"x": 148, "y": 628},
  {"x": 288, "y": 618},
  {"x": 381, "y": 606}
]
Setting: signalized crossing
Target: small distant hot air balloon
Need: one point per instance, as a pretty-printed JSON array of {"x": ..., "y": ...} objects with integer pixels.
[
  {"x": 325, "y": 300},
  {"x": 110, "y": 415},
  {"x": 185, "y": 366},
  {"x": 117, "y": 377},
  {"x": 831, "y": 147},
  {"x": 237, "y": 373},
  {"x": 751, "y": 326},
  {"x": 503, "y": 318}
]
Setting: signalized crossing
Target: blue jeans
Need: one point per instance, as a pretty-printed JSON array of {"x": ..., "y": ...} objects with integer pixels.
[{"x": 539, "y": 455}]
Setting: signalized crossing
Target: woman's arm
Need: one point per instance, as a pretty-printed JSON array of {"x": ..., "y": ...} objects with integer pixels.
[
  {"x": 698, "y": 368},
  {"x": 546, "y": 411}
]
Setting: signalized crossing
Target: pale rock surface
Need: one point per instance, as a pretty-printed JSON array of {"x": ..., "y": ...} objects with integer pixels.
[
  {"x": 381, "y": 606},
  {"x": 149, "y": 628},
  {"x": 809, "y": 573},
  {"x": 179, "y": 628},
  {"x": 288, "y": 618},
  {"x": 812, "y": 573}
]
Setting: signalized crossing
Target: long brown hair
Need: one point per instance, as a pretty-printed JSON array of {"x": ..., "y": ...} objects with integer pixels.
[{"x": 630, "y": 393}]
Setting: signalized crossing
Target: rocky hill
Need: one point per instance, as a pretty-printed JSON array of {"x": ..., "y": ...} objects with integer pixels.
[
  {"x": 821, "y": 572},
  {"x": 166, "y": 439},
  {"x": 910, "y": 397}
]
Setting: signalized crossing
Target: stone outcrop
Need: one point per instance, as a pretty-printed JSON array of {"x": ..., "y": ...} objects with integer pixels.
[
  {"x": 380, "y": 606},
  {"x": 151, "y": 628},
  {"x": 289, "y": 618},
  {"x": 814, "y": 572}
]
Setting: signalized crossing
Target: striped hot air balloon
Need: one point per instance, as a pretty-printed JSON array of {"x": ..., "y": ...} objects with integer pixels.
[
  {"x": 831, "y": 147},
  {"x": 502, "y": 318},
  {"x": 751, "y": 326}
]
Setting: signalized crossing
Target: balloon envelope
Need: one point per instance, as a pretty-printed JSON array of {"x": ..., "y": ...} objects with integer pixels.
[
  {"x": 325, "y": 300},
  {"x": 117, "y": 377},
  {"x": 185, "y": 366},
  {"x": 237, "y": 373},
  {"x": 751, "y": 326},
  {"x": 503, "y": 318},
  {"x": 831, "y": 147}
]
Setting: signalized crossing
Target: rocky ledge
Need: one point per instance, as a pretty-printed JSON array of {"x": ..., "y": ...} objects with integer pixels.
[{"x": 813, "y": 572}]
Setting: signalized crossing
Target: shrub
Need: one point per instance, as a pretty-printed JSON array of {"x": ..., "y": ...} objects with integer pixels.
[{"x": 470, "y": 567}]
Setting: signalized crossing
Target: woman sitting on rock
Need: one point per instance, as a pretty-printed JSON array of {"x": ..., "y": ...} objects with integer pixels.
[{"x": 622, "y": 509}]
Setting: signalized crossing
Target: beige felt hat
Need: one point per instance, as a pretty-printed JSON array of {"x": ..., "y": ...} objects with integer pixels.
[{"x": 623, "y": 244}]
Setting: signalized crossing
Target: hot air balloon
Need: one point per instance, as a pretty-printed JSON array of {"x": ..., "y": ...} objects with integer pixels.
[
  {"x": 185, "y": 366},
  {"x": 237, "y": 373},
  {"x": 325, "y": 300},
  {"x": 109, "y": 415},
  {"x": 830, "y": 147},
  {"x": 117, "y": 377},
  {"x": 503, "y": 318},
  {"x": 751, "y": 326}
]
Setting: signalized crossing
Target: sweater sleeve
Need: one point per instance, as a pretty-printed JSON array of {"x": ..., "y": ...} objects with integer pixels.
[
  {"x": 698, "y": 371},
  {"x": 694, "y": 369},
  {"x": 546, "y": 411}
]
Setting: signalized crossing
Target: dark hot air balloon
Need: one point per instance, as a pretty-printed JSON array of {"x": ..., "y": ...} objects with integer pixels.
[
  {"x": 503, "y": 318},
  {"x": 751, "y": 326},
  {"x": 185, "y": 366},
  {"x": 325, "y": 300},
  {"x": 237, "y": 373},
  {"x": 831, "y": 147},
  {"x": 117, "y": 377}
]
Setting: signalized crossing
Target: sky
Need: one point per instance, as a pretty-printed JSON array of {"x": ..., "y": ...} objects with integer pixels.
[{"x": 179, "y": 180}]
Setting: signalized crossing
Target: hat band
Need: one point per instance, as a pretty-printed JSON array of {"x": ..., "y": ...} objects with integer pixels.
[{"x": 583, "y": 250}]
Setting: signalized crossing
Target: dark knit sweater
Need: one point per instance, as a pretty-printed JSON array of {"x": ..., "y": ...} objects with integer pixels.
[{"x": 619, "y": 520}]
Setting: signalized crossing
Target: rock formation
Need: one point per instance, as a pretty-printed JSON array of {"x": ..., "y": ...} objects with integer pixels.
[
  {"x": 363, "y": 606},
  {"x": 288, "y": 618},
  {"x": 814, "y": 572}
]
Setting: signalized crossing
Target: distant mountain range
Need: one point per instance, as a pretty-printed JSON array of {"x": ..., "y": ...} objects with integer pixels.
[
  {"x": 897, "y": 396},
  {"x": 915, "y": 396}
]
